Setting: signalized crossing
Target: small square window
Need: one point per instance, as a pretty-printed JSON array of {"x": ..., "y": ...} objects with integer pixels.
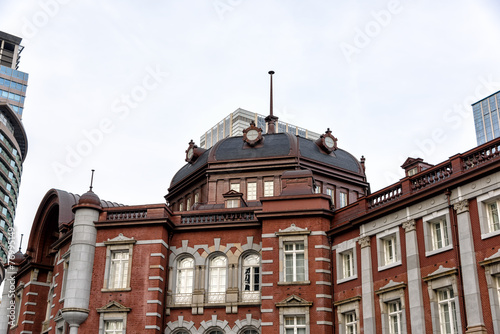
[
  {"x": 113, "y": 327},
  {"x": 232, "y": 203},
  {"x": 295, "y": 324}
]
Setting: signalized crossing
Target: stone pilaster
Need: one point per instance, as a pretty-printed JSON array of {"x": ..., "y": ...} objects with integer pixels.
[
  {"x": 416, "y": 302},
  {"x": 367, "y": 286},
  {"x": 472, "y": 296}
]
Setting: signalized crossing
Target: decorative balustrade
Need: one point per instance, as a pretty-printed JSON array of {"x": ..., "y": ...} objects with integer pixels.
[
  {"x": 384, "y": 196},
  {"x": 250, "y": 296},
  {"x": 216, "y": 297},
  {"x": 217, "y": 217},
  {"x": 455, "y": 167},
  {"x": 182, "y": 298},
  {"x": 481, "y": 156},
  {"x": 127, "y": 215},
  {"x": 431, "y": 176}
]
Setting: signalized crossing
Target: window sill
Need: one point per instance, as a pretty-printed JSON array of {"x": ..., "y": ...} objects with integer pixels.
[
  {"x": 490, "y": 234},
  {"x": 117, "y": 290},
  {"x": 347, "y": 279},
  {"x": 388, "y": 266},
  {"x": 295, "y": 283},
  {"x": 437, "y": 251}
]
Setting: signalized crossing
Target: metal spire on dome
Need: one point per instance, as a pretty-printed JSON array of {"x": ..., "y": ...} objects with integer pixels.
[
  {"x": 21, "y": 242},
  {"x": 271, "y": 119},
  {"x": 92, "y": 180}
]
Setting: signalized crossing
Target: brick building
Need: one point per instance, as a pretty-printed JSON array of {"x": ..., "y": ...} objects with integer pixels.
[{"x": 270, "y": 233}]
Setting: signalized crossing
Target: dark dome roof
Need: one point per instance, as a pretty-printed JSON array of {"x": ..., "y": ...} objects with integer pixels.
[
  {"x": 273, "y": 145},
  {"x": 18, "y": 258}
]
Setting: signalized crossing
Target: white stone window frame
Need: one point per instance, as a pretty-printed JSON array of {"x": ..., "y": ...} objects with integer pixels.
[
  {"x": 344, "y": 307},
  {"x": 210, "y": 294},
  {"x": 443, "y": 278},
  {"x": 240, "y": 276},
  {"x": 65, "y": 263},
  {"x": 178, "y": 259},
  {"x": 428, "y": 238},
  {"x": 484, "y": 219},
  {"x": 392, "y": 292},
  {"x": 255, "y": 195},
  {"x": 393, "y": 234},
  {"x": 112, "y": 316},
  {"x": 268, "y": 191},
  {"x": 492, "y": 273},
  {"x": 120, "y": 243},
  {"x": 293, "y": 234},
  {"x": 295, "y": 309},
  {"x": 348, "y": 246},
  {"x": 343, "y": 198}
]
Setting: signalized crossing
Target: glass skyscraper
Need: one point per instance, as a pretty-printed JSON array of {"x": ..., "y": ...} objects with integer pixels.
[
  {"x": 486, "y": 118},
  {"x": 13, "y": 140}
]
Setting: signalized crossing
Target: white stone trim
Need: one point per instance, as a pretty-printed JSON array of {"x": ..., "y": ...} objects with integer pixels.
[
  {"x": 267, "y": 297},
  {"x": 156, "y": 278},
  {"x": 322, "y": 271},
  {"x": 322, "y": 247},
  {"x": 266, "y": 324},
  {"x": 329, "y": 323},
  {"x": 155, "y": 289},
  {"x": 267, "y": 310},
  {"x": 324, "y": 259},
  {"x": 321, "y": 295},
  {"x": 267, "y": 249},
  {"x": 269, "y": 235},
  {"x": 153, "y": 302},
  {"x": 158, "y": 254},
  {"x": 31, "y": 293},
  {"x": 324, "y": 309},
  {"x": 153, "y": 314},
  {"x": 323, "y": 283},
  {"x": 318, "y": 233}
]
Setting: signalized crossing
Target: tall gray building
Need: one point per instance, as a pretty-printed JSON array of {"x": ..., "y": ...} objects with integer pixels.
[
  {"x": 486, "y": 118},
  {"x": 13, "y": 140},
  {"x": 234, "y": 124}
]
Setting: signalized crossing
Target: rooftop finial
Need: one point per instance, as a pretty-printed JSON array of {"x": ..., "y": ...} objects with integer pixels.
[
  {"x": 21, "y": 242},
  {"x": 271, "y": 119},
  {"x": 92, "y": 180}
]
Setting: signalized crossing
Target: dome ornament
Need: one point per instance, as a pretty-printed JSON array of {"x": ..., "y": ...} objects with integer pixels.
[
  {"x": 193, "y": 152},
  {"x": 252, "y": 135},
  {"x": 327, "y": 142}
]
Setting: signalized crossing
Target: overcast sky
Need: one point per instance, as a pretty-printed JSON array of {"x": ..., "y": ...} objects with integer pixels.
[{"x": 122, "y": 86}]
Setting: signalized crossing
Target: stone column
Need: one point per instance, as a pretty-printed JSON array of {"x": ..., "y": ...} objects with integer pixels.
[
  {"x": 81, "y": 261},
  {"x": 416, "y": 307},
  {"x": 367, "y": 285},
  {"x": 472, "y": 296},
  {"x": 8, "y": 288}
]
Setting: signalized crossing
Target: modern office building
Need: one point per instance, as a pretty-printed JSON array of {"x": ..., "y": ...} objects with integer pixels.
[
  {"x": 234, "y": 124},
  {"x": 486, "y": 118},
  {"x": 270, "y": 233},
  {"x": 13, "y": 140}
]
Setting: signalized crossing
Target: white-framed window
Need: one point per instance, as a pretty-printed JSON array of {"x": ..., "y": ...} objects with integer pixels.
[
  {"x": 346, "y": 261},
  {"x": 388, "y": 249},
  {"x": 331, "y": 192},
  {"x": 395, "y": 315},
  {"x": 217, "y": 279},
  {"x": 65, "y": 275},
  {"x": 185, "y": 281},
  {"x": 181, "y": 206},
  {"x": 268, "y": 188},
  {"x": 235, "y": 186},
  {"x": 118, "y": 272},
  {"x": 343, "y": 201},
  {"x": 492, "y": 274},
  {"x": 188, "y": 204},
  {"x": 348, "y": 316},
  {"x": 391, "y": 299},
  {"x": 196, "y": 198},
  {"x": 442, "y": 288},
  {"x": 437, "y": 232},
  {"x": 447, "y": 311},
  {"x": 250, "y": 289},
  {"x": 252, "y": 191},
  {"x": 351, "y": 323},
  {"x": 295, "y": 324},
  {"x": 317, "y": 187},
  {"x": 293, "y": 255},
  {"x": 118, "y": 263},
  {"x": 113, "y": 327},
  {"x": 489, "y": 213},
  {"x": 294, "y": 261},
  {"x": 232, "y": 203}
]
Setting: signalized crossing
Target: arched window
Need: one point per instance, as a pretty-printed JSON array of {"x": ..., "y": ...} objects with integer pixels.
[
  {"x": 217, "y": 280},
  {"x": 250, "y": 290},
  {"x": 250, "y": 331},
  {"x": 216, "y": 332},
  {"x": 185, "y": 278}
]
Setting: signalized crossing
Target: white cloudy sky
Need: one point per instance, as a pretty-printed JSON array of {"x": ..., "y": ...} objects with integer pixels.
[{"x": 392, "y": 79}]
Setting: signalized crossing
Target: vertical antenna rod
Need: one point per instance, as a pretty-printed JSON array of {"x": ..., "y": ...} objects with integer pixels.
[
  {"x": 21, "y": 242},
  {"x": 92, "y": 179},
  {"x": 271, "y": 94}
]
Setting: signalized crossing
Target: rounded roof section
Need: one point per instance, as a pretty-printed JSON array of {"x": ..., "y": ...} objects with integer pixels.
[
  {"x": 273, "y": 145},
  {"x": 19, "y": 133}
]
